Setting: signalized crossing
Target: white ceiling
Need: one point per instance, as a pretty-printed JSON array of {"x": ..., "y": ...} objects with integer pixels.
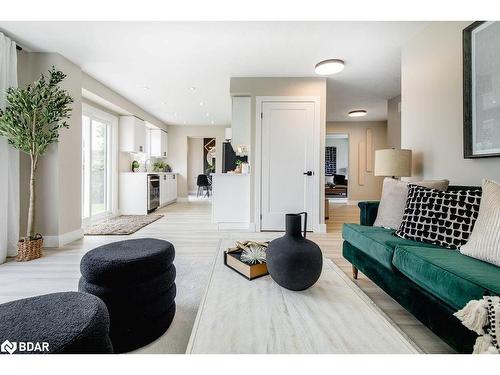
[{"x": 171, "y": 57}]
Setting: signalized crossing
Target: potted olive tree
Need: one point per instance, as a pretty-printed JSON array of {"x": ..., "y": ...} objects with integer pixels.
[{"x": 30, "y": 123}]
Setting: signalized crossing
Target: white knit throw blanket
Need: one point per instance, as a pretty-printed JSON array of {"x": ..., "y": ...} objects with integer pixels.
[{"x": 483, "y": 317}]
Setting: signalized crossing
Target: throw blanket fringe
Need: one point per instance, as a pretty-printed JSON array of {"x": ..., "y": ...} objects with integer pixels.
[
  {"x": 482, "y": 317},
  {"x": 474, "y": 316}
]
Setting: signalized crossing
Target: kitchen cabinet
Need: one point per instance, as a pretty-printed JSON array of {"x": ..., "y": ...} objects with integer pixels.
[
  {"x": 132, "y": 134},
  {"x": 133, "y": 192},
  {"x": 240, "y": 124},
  {"x": 158, "y": 143},
  {"x": 171, "y": 187},
  {"x": 168, "y": 188},
  {"x": 163, "y": 190}
]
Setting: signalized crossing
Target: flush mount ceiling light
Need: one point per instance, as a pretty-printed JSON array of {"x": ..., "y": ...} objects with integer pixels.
[
  {"x": 357, "y": 113},
  {"x": 327, "y": 67}
]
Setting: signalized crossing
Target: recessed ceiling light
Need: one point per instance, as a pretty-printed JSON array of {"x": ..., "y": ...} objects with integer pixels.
[
  {"x": 146, "y": 87},
  {"x": 207, "y": 114},
  {"x": 357, "y": 113},
  {"x": 328, "y": 67},
  {"x": 202, "y": 104},
  {"x": 192, "y": 88}
]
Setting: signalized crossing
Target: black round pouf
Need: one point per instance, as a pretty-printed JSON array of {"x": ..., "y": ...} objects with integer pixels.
[
  {"x": 127, "y": 262},
  {"x": 136, "y": 293},
  {"x": 136, "y": 281},
  {"x": 293, "y": 261},
  {"x": 70, "y": 322},
  {"x": 140, "y": 333}
]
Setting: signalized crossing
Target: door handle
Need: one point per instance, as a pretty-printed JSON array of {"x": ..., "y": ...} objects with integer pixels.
[{"x": 309, "y": 173}]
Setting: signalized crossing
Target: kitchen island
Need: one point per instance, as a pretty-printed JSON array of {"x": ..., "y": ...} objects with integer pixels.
[{"x": 231, "y": 201}]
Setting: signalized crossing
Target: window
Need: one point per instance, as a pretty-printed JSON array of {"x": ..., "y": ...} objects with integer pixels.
[{"x": 98, "y": 164}]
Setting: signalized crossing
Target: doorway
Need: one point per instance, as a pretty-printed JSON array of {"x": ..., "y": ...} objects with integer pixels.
[
  {"x": 289, "y": 171},
  {"x": 337, "y": 167},
  {"x": 98, "y": 165}
]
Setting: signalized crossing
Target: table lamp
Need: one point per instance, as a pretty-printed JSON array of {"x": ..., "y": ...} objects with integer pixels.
[{"x": 393, "y": 162}]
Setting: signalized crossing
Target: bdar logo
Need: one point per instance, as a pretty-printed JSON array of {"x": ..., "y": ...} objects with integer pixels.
[{"x": 8, "y": 347}]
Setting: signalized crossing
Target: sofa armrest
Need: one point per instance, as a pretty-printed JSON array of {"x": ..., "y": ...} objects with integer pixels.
[{"x": 368, "y": 212}]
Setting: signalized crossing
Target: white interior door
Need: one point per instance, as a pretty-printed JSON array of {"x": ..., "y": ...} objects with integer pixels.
[{"x": 287, "y": 161}]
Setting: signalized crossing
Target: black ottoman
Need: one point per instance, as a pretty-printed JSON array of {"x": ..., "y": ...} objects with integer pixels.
[
  {"x": 69, "y": 322},
  {"x": 136, "y": 281}
]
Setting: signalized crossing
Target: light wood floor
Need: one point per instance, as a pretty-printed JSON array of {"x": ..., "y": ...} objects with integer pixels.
[{"x": 187, "y": 225}]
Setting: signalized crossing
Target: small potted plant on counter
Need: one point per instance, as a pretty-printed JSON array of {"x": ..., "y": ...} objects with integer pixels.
[
  {"x": 31, "y": 122},
  {"x": 135, "y": 166}
]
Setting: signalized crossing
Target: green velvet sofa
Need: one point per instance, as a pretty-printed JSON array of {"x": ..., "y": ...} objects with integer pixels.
[{"x": 429, "y": 281}]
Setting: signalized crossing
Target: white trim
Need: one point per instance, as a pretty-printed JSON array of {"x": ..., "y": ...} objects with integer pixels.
[
  {"x": 257, "y": 169},
  {"x": 113, "y": 155},
  {"x": 62, "y": 239}
]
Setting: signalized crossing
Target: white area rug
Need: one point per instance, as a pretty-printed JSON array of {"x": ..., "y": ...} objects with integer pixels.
[{"x": 191, "y": 281}]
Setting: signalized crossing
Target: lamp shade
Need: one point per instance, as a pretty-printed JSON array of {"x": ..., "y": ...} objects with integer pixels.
[
  {"x": 229, "y": 133},
  {"x": 393, "y": 162}
]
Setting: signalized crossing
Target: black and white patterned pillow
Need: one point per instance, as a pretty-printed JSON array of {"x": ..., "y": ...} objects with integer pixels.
[{"x": 444, "y": 218}]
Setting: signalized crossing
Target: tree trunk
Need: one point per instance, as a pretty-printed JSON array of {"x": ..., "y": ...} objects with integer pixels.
[{"x": 30, "y": 232}]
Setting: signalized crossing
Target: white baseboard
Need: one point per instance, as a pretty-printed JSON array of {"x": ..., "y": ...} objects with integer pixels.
[{"x": 62, "y": 239}]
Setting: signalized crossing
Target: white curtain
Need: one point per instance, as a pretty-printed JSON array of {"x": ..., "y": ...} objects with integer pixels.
[{"x": 9, "y": 159}]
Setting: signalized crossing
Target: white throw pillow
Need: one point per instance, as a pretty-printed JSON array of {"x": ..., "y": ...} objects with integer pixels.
[
  {"x": 484, "y": 242},
  {"x": 393, "y": 201}
]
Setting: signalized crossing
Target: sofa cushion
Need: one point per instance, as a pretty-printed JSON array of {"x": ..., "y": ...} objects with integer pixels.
[
  {"x": 484, "y": 241},
  {"x": 442, "y": 218},
  {"x": 393, "y": 201},
  {"x": 452, "y": 277},
  {"x": 378, "y": 243}
]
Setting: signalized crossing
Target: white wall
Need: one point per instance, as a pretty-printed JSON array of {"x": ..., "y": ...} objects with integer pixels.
[
  {"x": 178, "y": 150},
  {"x": 194, "y": 162},
  {"x": 432, "y": 112},
  {"x": 102, "y": 91},
  {"x": 58, "y": 184}
]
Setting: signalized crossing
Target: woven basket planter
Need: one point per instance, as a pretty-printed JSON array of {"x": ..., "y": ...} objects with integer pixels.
[{"x": 30, "y": 249}]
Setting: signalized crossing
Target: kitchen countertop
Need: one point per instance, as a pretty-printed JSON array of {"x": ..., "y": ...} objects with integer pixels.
[
  {"x": 139, "y": 173},
  {"x": 230, "y": 174}
]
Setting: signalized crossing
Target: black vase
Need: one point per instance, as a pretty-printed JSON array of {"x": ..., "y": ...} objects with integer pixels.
[{"x": 293, "y": 261}]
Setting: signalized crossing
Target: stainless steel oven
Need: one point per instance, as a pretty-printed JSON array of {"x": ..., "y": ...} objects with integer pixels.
[{"x": 153, "y": 192}]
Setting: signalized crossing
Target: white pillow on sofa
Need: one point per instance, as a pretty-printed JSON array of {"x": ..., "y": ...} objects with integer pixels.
[
  {"x": 484, "y": 241},
  {"x": 393, "y": 201}
]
